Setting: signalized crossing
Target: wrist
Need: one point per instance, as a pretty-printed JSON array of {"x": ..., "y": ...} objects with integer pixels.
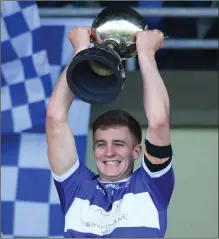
[
  {"x": 147, "y": 59},
  {"x": 149, "y": 54},
  {"x": 78, "y": 49}
]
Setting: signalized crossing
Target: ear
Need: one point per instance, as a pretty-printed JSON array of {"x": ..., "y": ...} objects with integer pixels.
[{"x": 137, "y": 151}]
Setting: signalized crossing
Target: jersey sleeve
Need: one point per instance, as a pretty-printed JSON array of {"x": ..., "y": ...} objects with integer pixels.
[
  {"x": 69, "y": 184},
  {"x": 160, "y": 182}
]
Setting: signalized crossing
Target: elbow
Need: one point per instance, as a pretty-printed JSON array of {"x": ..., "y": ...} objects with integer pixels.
[
  {"x": 51, "y": 112},
  {"x": 159, "y": 120},
  {"x": 158, "y": 124},
  {"x": 54, "y": 114},
  {"x": 53, "y": 125},
  {"x": 51, "y": 118}
]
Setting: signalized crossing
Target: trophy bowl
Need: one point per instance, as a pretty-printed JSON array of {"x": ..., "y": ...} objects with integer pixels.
[{"x": 116, "y": 28}]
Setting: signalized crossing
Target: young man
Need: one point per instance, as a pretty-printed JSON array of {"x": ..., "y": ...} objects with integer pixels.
[{"x": 117, "y": 202}]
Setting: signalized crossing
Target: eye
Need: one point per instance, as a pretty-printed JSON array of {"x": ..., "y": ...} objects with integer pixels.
[
  {"x": 100, "y": 145},
  {"x": 119, "y": 145}
]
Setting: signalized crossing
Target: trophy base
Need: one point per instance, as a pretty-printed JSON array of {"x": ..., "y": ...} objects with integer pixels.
[{"x": 96, "y": 75}]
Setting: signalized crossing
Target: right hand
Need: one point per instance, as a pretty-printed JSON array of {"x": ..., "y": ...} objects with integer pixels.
[{"x": 80, "y": 38}]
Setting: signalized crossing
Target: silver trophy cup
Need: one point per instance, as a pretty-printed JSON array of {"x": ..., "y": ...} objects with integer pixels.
[{"x": 96, "y": 75}]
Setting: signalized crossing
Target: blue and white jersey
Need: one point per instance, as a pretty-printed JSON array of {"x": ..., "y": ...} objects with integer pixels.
[{"x": 134, "y": 208}]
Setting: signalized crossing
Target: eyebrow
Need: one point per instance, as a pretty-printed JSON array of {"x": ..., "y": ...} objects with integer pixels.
[
  {"x": 119, "y": 141},
  {"x": 115, "y": 141},
  {"x": 99, "y": 141}
]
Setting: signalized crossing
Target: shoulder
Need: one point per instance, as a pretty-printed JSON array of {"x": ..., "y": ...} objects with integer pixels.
[{"x": 79, "y": 171}]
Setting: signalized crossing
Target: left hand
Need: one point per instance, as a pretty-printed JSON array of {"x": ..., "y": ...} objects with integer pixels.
[{"x": 149, "y": 41}]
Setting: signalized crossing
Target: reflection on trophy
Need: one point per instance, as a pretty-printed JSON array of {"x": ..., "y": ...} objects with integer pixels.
[{"x": 96, "y": 75}]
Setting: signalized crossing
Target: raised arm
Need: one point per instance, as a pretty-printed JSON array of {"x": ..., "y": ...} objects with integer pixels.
[
  {"x": 62, "y": 151},
  {"x": 155, "y": 96}
]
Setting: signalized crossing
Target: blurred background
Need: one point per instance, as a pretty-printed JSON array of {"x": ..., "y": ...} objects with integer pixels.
[{"x": 35, "y": 50}]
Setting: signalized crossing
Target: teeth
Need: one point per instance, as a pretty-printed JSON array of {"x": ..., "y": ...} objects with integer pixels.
[{"x": 112, "y": 162}]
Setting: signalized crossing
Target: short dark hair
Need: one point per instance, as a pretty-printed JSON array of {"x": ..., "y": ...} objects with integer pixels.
[{"x": 117, "y": 117}]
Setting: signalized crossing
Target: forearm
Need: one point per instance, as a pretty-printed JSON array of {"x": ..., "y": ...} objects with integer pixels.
[
  {"x": 61, "y": 99},
  {"x": 155, "y": 96}
]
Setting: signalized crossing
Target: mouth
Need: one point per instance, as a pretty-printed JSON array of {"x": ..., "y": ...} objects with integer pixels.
[{"x": 112, "y": 162}]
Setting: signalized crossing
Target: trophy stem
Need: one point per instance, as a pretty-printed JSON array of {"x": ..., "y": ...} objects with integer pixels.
[{"x": 112, "y": 45}]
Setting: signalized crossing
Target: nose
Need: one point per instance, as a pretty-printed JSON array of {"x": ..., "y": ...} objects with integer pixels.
[{"x": 109, "y": 151}]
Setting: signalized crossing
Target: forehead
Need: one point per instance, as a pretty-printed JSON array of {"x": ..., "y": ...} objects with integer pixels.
[{"x": 114, "y": 133}]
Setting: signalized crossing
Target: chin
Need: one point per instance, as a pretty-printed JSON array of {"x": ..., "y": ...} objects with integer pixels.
[
  {"x": 113, "y": 176},
  {"x": 112, "y": 173}
]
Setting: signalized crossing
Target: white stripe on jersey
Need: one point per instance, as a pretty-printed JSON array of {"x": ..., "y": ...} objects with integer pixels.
[
  {"x": 133, "y": 210},
  {"x": 159, "y": 173}
]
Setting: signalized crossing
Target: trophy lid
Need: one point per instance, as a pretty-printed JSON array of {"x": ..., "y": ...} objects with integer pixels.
[{"x": 118, "y": 25}]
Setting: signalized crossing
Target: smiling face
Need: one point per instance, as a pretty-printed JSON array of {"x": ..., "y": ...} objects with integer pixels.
[{"x": 115, "y": 150}]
